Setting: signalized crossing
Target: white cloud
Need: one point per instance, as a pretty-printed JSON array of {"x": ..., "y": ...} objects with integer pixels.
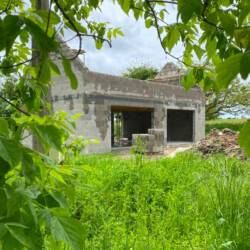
[{"x": 139, "y": 43}]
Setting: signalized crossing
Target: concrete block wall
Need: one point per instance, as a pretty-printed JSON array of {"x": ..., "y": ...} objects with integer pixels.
[{"x": 97, "y": 92}]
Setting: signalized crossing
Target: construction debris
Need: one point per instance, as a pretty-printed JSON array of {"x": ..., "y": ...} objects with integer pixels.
[{"x": 224, "y": 142}]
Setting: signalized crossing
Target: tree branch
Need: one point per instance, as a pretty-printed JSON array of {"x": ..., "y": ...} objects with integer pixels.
[
  {"x": 6, "y": 8},
  {"x": 159, "y": 36},
  {"x": 4, "y": 99},
  {"x": 73, "y": 26},
  {"x": 18, "y": 64},
  {"x": 45, "y": 41}
]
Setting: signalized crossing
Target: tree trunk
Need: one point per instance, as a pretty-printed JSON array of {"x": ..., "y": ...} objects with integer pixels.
[{"x": 36, "y": 144}]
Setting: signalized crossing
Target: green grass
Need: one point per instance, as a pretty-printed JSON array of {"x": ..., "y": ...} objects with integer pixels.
[
  {"x": 182, "y": 203},
  {"x": 234, "y": 124}
]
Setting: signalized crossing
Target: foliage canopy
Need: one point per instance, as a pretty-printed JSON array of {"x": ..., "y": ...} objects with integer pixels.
[{"x": 141, "y": 71}]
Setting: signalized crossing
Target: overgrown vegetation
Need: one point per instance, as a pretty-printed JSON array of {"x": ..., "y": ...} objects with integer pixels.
[
  {"x": 185, "y": 202},
  {"x": 234, "y": 124}
]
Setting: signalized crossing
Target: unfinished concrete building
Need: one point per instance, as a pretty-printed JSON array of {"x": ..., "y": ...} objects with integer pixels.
[{"x": 161, "y": 103}]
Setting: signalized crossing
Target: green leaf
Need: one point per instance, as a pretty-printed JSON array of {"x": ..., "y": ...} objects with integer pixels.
[
  {"x": 120, "y": 32},
  {"x": 48, "y": 160},
  {"x": 245, "y": 64},
  {"x": 93, "y": 3},
  {"x": 208, "y": 84},
  {"x": 10, "y": 151},
  {"x": 34, "y": 15},
  {"x": 57, "y": 176},
  {"x": 198, "y": 51},
  {"x": 98, "y": 44},
  {"x": 69, "y": 73},
  {"x": 109, "y": 34},
  {"x": 211, "y": 46},
  {"x": 3, "y": 230},
  {"x": 2, "y": 36},
  {"x": 198, "y": 74},
  {"x": 187, "y": 80},
  {"x": 148, "y": 23},
  {"x": 54, "y": 67},
  {"x": 4, "y": 127},
  {"x": 24, "y": 36},
  {"x": 125, "y": 5},
  {"x": 187, "y": 8},
  {"x": 54, "y": 18},
  {"x": 244, "y": 12},
  {"x": 38, "y": 36},
  {"x": 47, "y": 200},
  {"x": 3, "y": 203},
  {"x": 48, "y": 135},
  {"x": 19, "y": 235},
  {"x": 227, "y": 22},
  {"x": 31, "y": 192},
  {"x": 14, "y": 203},
  {"x": 11, "y": 243},
  {"x": 67, "y": 230},
  {"x": 228, "y": 70},
  {"x": 244, "y": 138},
  {"x": 60, "y": 198},
  {"x": 60, "y": 212},
  {"x": 28, "y": 168},
  {"x": 3, "y": 4},
  {"x": 12, "y": 27},
  {"x": 4, "y": 167},
  {"x": 45, "y": 75},
  {"x": 172, "y": 37}
]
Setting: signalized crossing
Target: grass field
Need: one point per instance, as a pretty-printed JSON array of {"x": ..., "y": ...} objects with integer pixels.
[
  {"x": 186, "y": 202},
  {"x": 234, "y": 124}
]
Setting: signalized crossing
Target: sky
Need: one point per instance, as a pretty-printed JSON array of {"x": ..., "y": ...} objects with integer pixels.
[{"x": 139, "y": 44}]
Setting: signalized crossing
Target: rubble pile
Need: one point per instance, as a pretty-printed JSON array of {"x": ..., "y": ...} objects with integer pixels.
[{"x": 224, "y": 141}]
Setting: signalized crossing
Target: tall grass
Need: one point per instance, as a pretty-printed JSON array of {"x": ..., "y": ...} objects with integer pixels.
[
  {"x": 182, "y": 203},
  {"x": 234, "y": 124}
]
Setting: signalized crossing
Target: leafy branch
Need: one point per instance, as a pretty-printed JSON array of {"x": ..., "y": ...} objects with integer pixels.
[
  {"x": 159, "y": 36},
  {"x": 13, "y": 105}
]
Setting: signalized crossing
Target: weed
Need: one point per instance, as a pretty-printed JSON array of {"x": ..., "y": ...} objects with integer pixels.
[{"x": 182, "y": 203}]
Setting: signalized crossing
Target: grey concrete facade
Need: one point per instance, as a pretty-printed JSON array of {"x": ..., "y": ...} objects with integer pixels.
[{"x": 97, "y": 93}]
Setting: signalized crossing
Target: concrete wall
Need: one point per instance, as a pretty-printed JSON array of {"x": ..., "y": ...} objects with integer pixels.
[{"x": 97, "y": 92}]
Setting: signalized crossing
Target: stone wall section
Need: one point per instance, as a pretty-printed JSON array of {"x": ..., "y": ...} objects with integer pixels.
[{"x": 97, "y": 92}]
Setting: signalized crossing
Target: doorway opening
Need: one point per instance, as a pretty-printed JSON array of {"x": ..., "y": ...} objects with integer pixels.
[
  {"x": 126, "y": 121},
  {"x": 180, "y": 125}
]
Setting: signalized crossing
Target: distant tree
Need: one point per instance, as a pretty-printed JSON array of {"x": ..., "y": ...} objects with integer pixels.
[
  {"x": 234, "y": 100},
  {"x": 8, "y": 91},
  {"x": 141, "y": 71}
]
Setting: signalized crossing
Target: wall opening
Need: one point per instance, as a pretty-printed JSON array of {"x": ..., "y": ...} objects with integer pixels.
[
  {"x": 180, "y": 125},
  {"x": 126, "y": 121}
]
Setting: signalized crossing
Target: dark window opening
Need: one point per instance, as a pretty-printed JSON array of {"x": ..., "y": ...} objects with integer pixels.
[
  {"x": 126, "y": 121},
  {"x": 179, "y": 125}
]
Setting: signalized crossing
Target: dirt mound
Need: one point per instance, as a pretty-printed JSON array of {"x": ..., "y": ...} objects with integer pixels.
[{"x": 224, "y": 141}]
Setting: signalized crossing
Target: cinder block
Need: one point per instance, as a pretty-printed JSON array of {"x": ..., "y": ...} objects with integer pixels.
[
  {"x": 158, "y": 139},
  {"x": 146, "y": 139}
]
